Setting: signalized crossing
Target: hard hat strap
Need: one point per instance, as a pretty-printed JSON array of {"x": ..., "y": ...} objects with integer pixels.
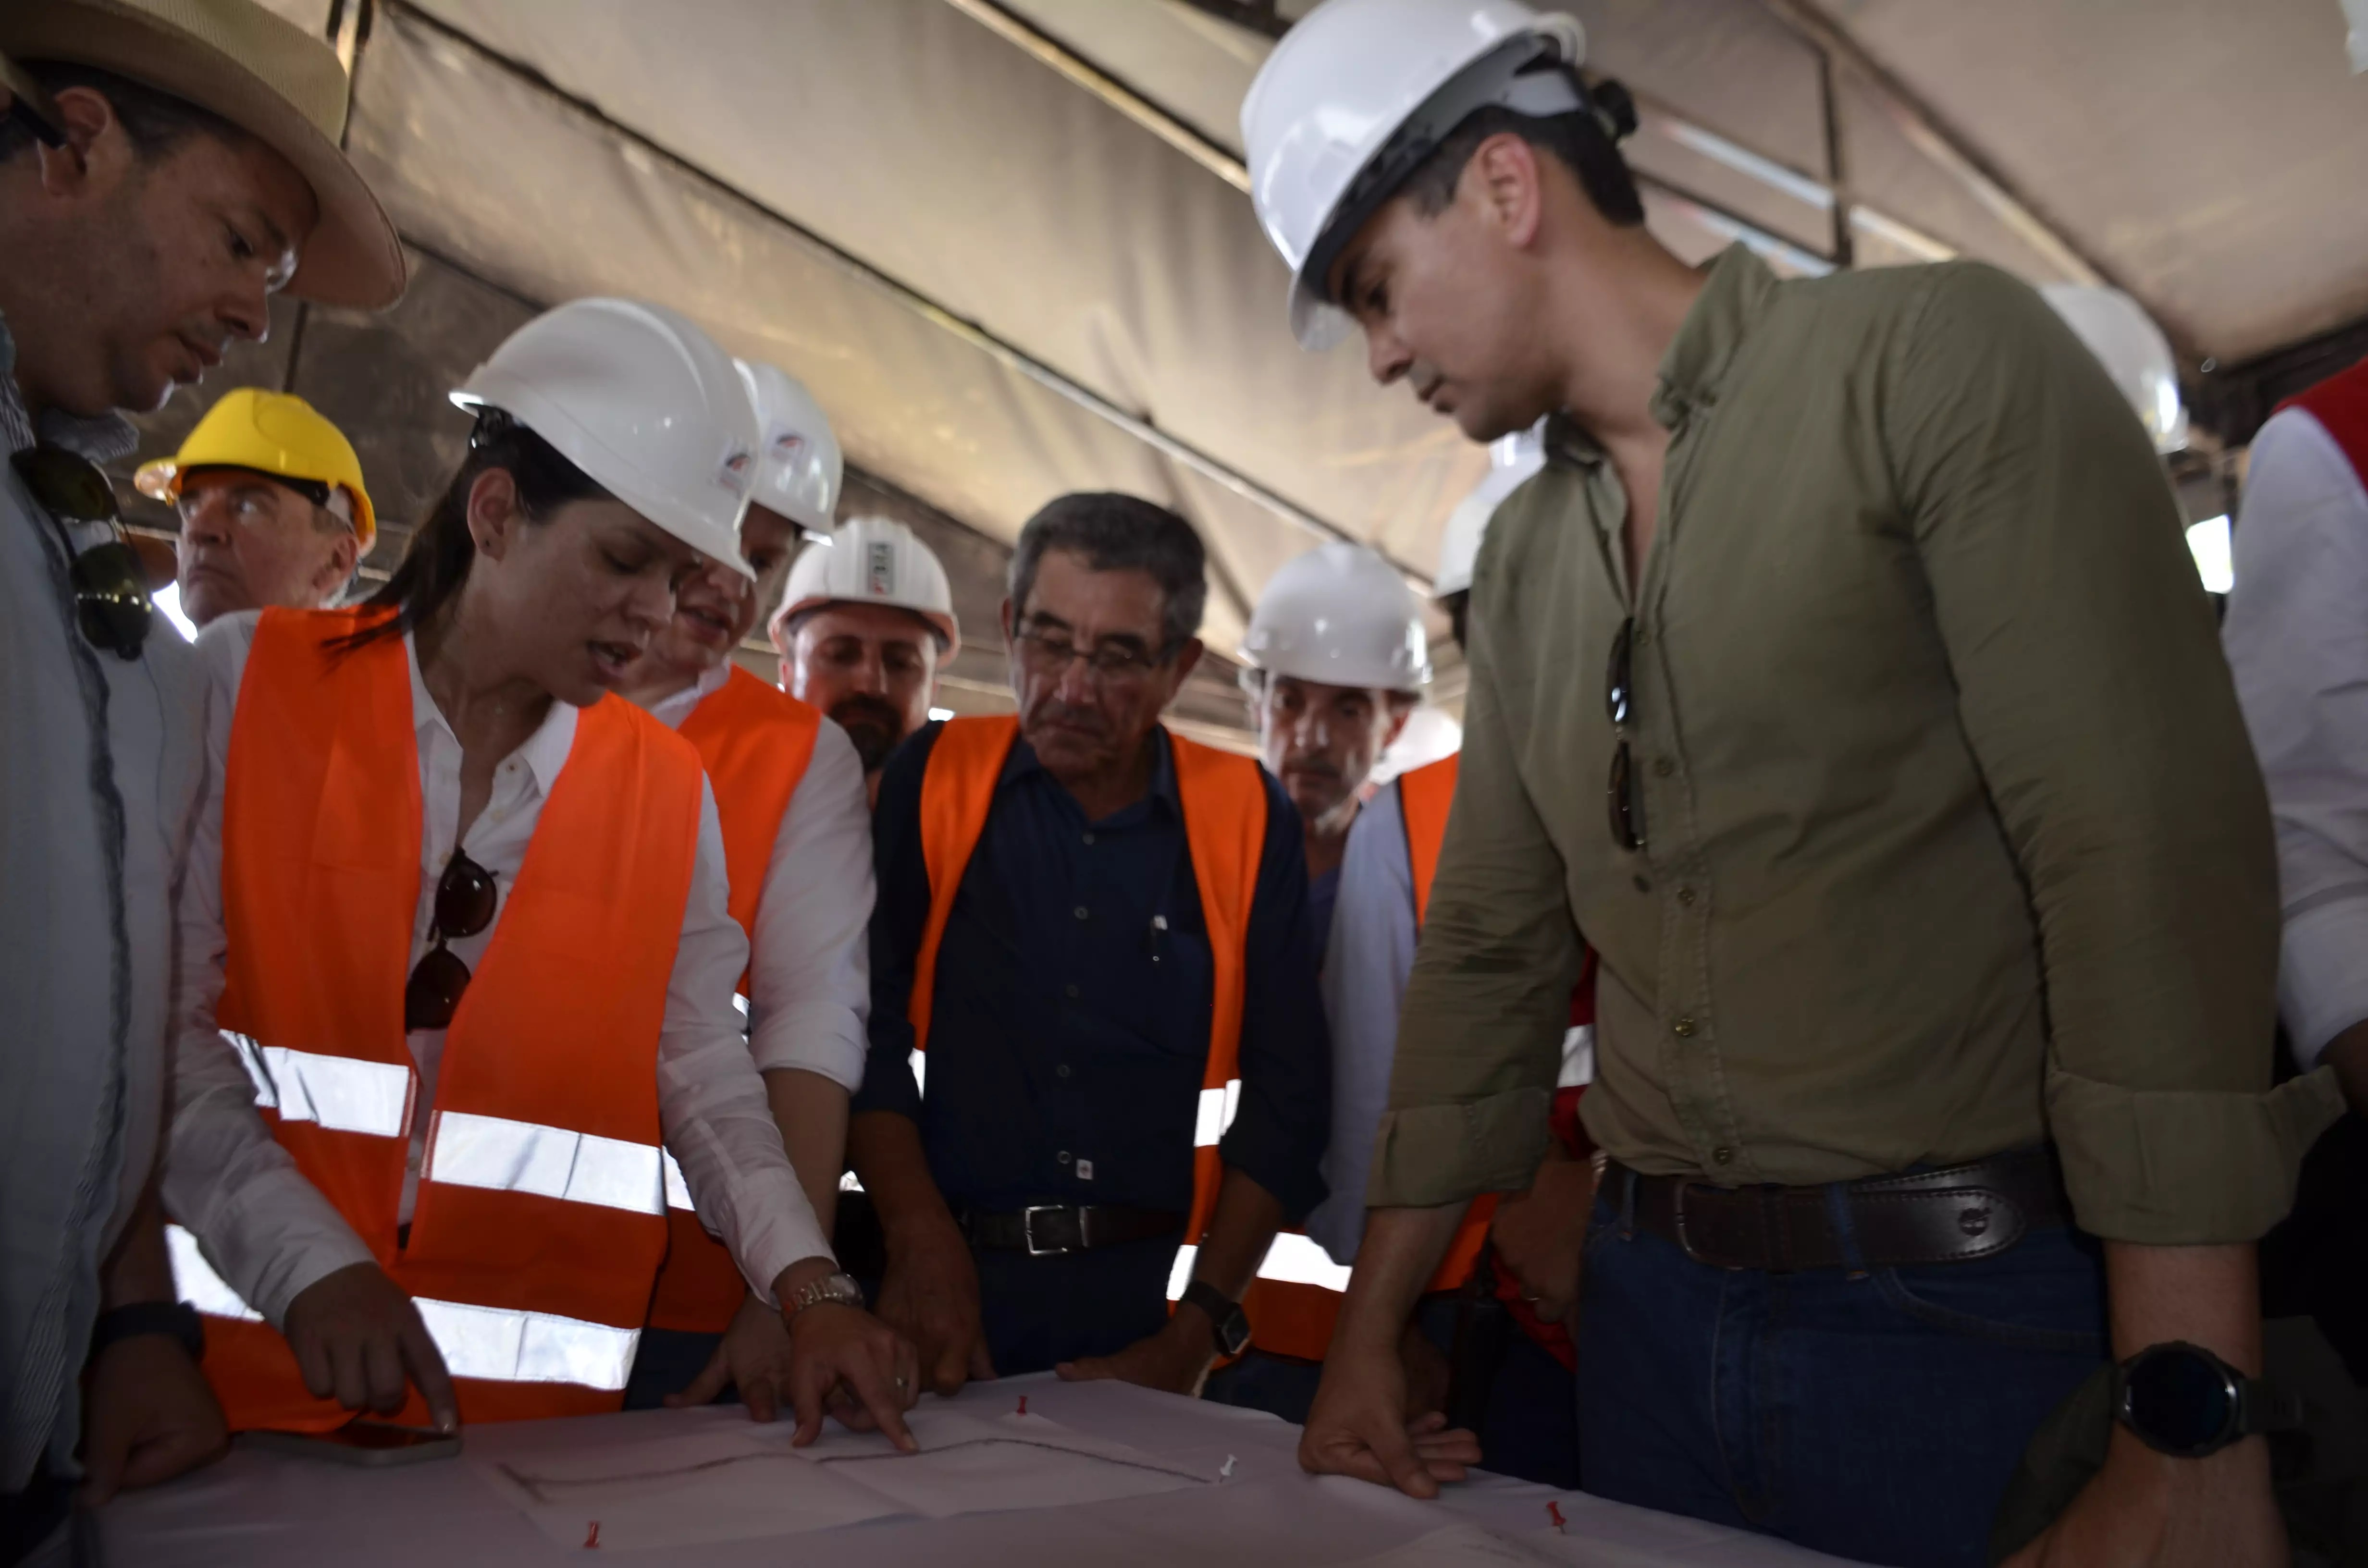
[{"x": 1506, "y": 78}]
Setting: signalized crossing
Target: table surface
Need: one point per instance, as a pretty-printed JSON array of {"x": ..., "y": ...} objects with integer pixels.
[{"x": 263, "y": 1510}]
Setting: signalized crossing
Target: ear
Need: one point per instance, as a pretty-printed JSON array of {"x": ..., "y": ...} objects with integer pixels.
[
  {"x": 1506, "y": 179},
  {"x": 96, "y": 152},
  {"x": 1187, "y": 659},
  {"x": 1007, "y": 618},
  {"x": 345, "y": 549},
  {"x": 493, "y": 517},
  {"x": 1399, "y": 713}
]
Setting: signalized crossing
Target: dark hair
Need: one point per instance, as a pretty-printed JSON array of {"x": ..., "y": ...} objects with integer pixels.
[
  {"x": 1579, "y": 138},
  {"x": 1121, "y": 533},
  {"x": 156, "y": 122},
  {"x": 436, "y": 563},
  {"x": 1458, "y": 606}
]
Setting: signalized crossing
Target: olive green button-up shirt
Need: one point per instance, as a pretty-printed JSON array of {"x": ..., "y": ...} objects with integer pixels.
[{"x": 1954, "y": 839}]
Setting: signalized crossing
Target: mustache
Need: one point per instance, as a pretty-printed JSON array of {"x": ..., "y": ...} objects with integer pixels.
[
  {"x": 1314, "y": 767},
  {"x": 1053, "y": 711},
  {"x": 875, "y": 724}
]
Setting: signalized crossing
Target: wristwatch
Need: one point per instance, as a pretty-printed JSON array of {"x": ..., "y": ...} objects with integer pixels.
[
  {"x": 1231, "y": 1324},
  {"x": 2183, "y": 1399},
  {"x": 841, "y": 1289},
  {"x": 173, "y": 1320}
]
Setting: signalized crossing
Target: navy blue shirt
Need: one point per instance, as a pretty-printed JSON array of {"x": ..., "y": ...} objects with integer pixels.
[{"x": 1070, "y": 1027}]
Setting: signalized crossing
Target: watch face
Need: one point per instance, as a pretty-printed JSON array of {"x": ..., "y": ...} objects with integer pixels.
[{"x": 2178, "y": 1400}]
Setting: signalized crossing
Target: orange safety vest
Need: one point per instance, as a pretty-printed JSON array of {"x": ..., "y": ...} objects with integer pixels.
[
  {"x": 540, "y": 1219},
  {"x": 1299, "y": 1317},
  {"x": 1224, "y": 804},
  {"x": 756, "y": 741}
]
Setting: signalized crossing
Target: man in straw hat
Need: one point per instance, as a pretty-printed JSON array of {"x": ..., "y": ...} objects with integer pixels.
[{"x": 166, "y": 167}]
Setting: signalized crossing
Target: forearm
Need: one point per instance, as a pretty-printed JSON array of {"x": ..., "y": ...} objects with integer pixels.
[
  {"x": 139, "y": 1269},
  {"x": 2205, "y": 1295},
  {"x": 811, "y": 1111},
  {"x": 1240, "y": 1231},
  {"x": 1400, "y": 1252},
  {"x": 885, "y": 1149}
]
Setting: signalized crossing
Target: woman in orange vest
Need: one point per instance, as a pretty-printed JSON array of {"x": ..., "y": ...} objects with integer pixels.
[
  {"x": 457, "y": 960},
  {"x": 796, "y": 816}
]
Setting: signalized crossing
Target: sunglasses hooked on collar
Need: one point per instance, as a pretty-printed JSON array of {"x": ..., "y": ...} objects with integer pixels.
[{"x": 110, "y": 588}]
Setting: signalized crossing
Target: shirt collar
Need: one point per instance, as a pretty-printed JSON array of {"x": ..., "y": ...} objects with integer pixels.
[
  {"x": 101, "y": 439},
  {"x": 672, "y": 711},
  {"x": 545, "y": 751},
  {"x": 1021, "y": 761},
  {"x": 1737, "y": 293}
]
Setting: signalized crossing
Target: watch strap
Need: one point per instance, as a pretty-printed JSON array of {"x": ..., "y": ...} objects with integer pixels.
[
  {"x": 1227, "y": 1319},
  {"x": 175, "y": 1320},
  {"x": 839, "y": 1290}
]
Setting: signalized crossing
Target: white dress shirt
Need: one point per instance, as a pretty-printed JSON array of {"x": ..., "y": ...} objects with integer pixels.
[
  {"x": 810, "y": 974},
  {"x": 2297, "y": 638},
  {"x": 262, "y": 1227},
  {"x": 85, "y": 934}
]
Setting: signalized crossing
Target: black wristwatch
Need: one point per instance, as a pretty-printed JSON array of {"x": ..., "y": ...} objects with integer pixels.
[
  {"x": 177, "y": 1320},
  {"x": 1232, "y": 1324},
  {"x": 2183, "y": 1401}
]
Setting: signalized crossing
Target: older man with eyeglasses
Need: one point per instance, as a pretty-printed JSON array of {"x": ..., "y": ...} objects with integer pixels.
[
  {"x": 1097, "y": 932},
  {"x": 163, "y": 170}
]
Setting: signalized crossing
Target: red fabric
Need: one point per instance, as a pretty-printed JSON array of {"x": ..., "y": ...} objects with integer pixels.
[{"x": 2340, "y": 405}]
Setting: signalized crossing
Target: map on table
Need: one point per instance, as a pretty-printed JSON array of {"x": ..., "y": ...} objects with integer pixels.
[{"x": 740, "y": 1481}]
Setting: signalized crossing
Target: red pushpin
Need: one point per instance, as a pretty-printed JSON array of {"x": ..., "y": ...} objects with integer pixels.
[
  {"x": 1023, "y": 1404},
  {"x": 1554, "y": 1512},
  {"x": 593, "y": 1538}
]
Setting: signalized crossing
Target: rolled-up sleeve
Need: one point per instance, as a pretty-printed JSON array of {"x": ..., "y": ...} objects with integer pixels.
[
  {"x": 1277, "y": 1136},
  {"x": 1480, "y": 1032},
  {"x": 2098, "y": 706}
]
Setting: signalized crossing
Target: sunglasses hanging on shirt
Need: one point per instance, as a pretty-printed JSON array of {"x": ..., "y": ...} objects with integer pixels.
[
  {"x": 110, "y": 589},
  {"x": 465, "y": 897},
  {"x": 1619, "y": 695}
]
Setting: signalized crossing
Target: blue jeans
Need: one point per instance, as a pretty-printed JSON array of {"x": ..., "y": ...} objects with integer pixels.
[{"x": 1875, "y": 1415}]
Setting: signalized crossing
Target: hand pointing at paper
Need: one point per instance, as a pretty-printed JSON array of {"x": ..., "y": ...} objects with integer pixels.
[{"x": 838, "y": 1349}]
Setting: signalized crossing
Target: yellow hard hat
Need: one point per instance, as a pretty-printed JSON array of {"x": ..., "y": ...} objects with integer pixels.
[{"x": 270, "y": 433}]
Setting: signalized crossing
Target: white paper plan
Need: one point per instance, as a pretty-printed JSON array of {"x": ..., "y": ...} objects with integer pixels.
[{"x": 740, "y": 1481}]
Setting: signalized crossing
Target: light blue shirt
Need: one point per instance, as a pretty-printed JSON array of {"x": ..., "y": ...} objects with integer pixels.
[{"x": 99, "y": 766}]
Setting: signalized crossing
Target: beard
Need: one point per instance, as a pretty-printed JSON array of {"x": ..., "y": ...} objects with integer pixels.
[{"x": 873, "y": 723}]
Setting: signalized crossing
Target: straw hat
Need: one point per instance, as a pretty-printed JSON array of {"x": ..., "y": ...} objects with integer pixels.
[{"x": 260, "y": 73}]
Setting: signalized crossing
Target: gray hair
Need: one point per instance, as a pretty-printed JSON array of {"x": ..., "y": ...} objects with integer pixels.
[{"x": 1121, "y": 533}]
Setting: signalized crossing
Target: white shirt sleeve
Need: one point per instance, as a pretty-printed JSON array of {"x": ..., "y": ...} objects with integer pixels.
[
  {"x": 810, "y": 991},
  {"x": 2297, "y": 640},
  {"x": 266, "y": 1231},
  {"x": 1365, "y": 968},
  {"x": 712, "y": 1101}
]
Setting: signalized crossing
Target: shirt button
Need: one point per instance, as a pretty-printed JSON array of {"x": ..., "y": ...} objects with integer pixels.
[
  {"x": 1723, "y": 1155},
  {"x": 1685, "y": 895},
  {"x": 1064, "y": 1156},
  {"x": 1081, "y": 912},
  {"x": 1062, "y": 1071},
  {"x": 1071, "y": 991},
  {"x": 1090, "y": 838},
  {"x": 1643, "y": 634},
  {"x": 1683, "y": 1028},
  {"x": 1641, "y": 885},
  {"x": 1663, "y": 768}
]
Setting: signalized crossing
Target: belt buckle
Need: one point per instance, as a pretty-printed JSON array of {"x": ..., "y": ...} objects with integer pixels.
[
  {"x": 1028, "y": 1230},
  {"x": 1677, "y": 1219}
]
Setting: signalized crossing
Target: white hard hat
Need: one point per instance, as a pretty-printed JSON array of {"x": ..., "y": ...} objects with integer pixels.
[
  {"x": 644, "y": 403},
  {"x": 1340, "y": 614},
  {"x": 872, "y": 561},
  {"x": 1358, "y": 94},
  {"x": 1511, "y": 461},
  {"x": 2133, "y": 352},
  {"x": 798, "y": 464}
]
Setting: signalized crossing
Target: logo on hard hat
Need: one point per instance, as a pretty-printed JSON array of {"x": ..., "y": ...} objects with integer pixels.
[{"x": 880, "y": 578}]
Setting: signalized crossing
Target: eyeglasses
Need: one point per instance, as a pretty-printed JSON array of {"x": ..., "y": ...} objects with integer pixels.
[
  {"x": 1618, "y": 693},
  {"x": 1108, "y": 665},
  {"x": 110, "y": 589},
  {"x": 465, "y": 896}
]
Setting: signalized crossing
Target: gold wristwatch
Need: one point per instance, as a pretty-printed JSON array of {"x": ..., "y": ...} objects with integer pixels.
[{"x": 840, "y": 1289}]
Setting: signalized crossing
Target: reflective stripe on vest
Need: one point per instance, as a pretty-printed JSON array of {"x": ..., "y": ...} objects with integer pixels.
[
  {"x": 756, "y": 742},
  {"x": 538, "y": 1226},
  {"x": 1224, "y": 806}
]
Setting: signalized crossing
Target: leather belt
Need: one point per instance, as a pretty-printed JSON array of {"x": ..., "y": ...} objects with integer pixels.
[
  {"x": 1049, "y": 1230},
  {"x": 1943, "y": 1216}
]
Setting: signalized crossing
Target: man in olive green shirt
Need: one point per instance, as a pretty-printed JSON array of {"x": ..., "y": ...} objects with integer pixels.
[{"x": 1844, "y": 678}]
